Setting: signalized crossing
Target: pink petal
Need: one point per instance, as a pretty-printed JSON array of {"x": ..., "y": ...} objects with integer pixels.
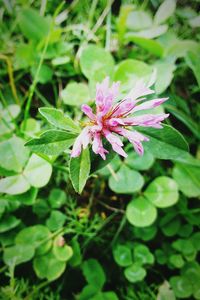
[
  {"x": 115, "y": 142},
  {"x": 146, "y": 120},
  {"x": 105, "y": 95},
  {"x": 88, "y": 111},
  {"x": 134, "y": 137},
  {"x": 127, "y": 105},
  {"x": 97, "y": 146},
  {"x": 82, "y": 141},
  {"x": 139, "y": 90},
  {"x": 149, "y": 104},
  {"x": 114, "y": 122},
  {"x": 101, "y": 90},
  {"x": 123, "y": 108}
]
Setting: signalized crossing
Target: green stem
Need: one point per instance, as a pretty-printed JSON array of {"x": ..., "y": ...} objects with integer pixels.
[
  {"x": 92, "y": 11},
  {"x": 39, "y": 287},
  {"x": 3, "y": 269},
  {"x": 108, "y": 31},
  {"x": 11, "y": 77},
  {"x": 33, "y": 85}
]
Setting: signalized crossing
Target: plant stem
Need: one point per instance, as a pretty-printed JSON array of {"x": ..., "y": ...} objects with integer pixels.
[
  {"x": 116, "y": 210},
  {"x": 108, "y": 31},
  {"x": 11, "y": 77},
  {"x": 39, "y": 287},
  {"x": 33, "y": 85}
]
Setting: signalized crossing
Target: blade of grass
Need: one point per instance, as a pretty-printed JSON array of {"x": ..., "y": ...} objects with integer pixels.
[
  {"x": 11, "y": 77},
  {"x": 33, "y": 85}
]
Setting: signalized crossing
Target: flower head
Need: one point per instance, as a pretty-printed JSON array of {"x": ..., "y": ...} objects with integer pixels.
[{"x": 111, "y": 120}]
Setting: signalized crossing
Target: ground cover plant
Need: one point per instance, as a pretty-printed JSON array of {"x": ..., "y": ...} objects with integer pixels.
[{"x": 99, "y": 150}]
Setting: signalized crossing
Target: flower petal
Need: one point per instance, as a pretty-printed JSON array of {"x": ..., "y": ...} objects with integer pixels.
[
  {"x": 105, "y": 95},
  {"x": 97, "y": 145},
  {"x": 149, "y": 104},
  {"x": 101, "y": 91},
  {"x": 140, "y": 89},
  {"x": 82, "y": 141},
  {"x": 147, "y": 120},
  {"x": 115, "y": 142},
  {"x": 126, "y": 106},
  {"x": 87, "y": 110},
  {"x": 134, "y": 137}
]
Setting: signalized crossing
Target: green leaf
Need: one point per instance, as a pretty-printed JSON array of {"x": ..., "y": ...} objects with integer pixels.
[
  {"x": 41, "y": 208},
  {"x": 135, "y": 273},
  {"x": 88, "y": 292},
  {"x": 25, "y": 55},
  {"x": 126, "y": 181},
  {"x": 195, "y": 238},
  {"x": 76, "y": 259},
  {"x": 27, "y": 198},
  {"x": 57, "y": 198},
  {"x": 62, "y": 252},
  {"x": 52, "y": 142},
  {"x": 45, "y": 74},
  {"x": 38, "y": 171},
  {"x": 151, "y": 46},
  {"x": 177, "y": 261},
  {"x": 38, "y": 236},
  {"x": 194, "y": 22},
  {"x": 75, "y": 94},
  {"x": 62, "y": 60},
  {"x": 13, "y": 154},
  {"x": 187, "y": 178},
  {"x": 56, "y": 118},
  {"x": 8, "y": 223},
  {"x": 94, "y": 273},
  {"x": 140, "y": 212},
  {"x": 129, "y": 70},
  {"x": 180, "y": 48},
  {"x": 31, "y": 127},
  {"x": 165, "y": 73},
  {"x": 162, "y": 192},
  {"x": 149, "y": 33},
  {"x": 185, "y": 231},
  {"x": 32, "y": 25},
  {"x": 168, "y": 143},
  {"x": 96, "y": 63},
  {"x": 141, "y": 163},
  {"x": 18, "y": 254},
  {"x": 10, "y": 112},
  {"x": 122, "y": 255},
  {"x": 14, "y": 185},
  {"x": 111, "y": 167},
  {"x": 146, "y": 233},
  {"x": 170, "y": 225},
  {"x": 56, "y": 220},
  {"x": 80, "y": 170},
  {"x": 165, "y": 10},
  {"x": 142, "y": 255},
  {"x": 104, "y": 296},
  {"x": 185, "y": 119},
  {"x": 48, "y": 266},
  {"x": 122, "y": 19},
  {"x": 181, "y": 286},
  {"x": 193, "y": 61},
  {"x": 191, "y": 272},
  {"x": 184, "y": 246},
  {"x": 138, "y": 20}
]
